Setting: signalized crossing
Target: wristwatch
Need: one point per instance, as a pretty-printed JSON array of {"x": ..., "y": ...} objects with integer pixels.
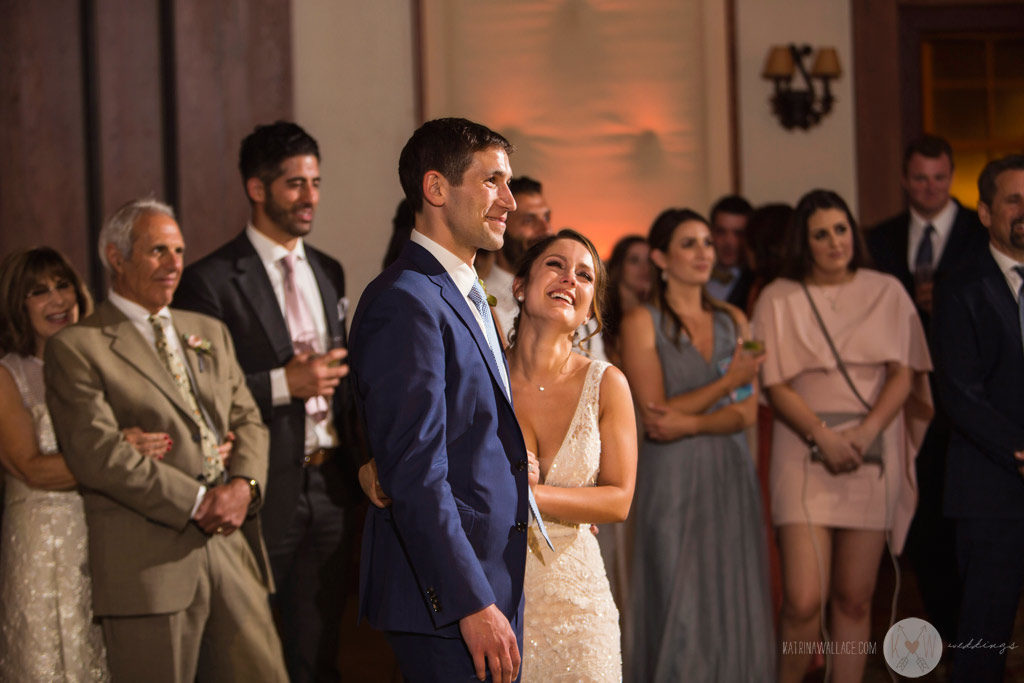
[{"x": 254, "y": 492}]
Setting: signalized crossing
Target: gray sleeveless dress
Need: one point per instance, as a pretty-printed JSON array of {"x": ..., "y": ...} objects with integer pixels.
[{"x": 700, "y": 581}]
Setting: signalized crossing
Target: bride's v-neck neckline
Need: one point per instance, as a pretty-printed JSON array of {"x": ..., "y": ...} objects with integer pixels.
[{"x": 572, "y": 422}]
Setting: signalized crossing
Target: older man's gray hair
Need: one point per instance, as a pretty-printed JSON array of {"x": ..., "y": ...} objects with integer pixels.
[{"x": 118, "y": 228}]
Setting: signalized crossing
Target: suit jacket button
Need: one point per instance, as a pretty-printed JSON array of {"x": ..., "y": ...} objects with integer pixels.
[
  {"x": 520, "y": 526},
  {"x": 521, "y": 465}
]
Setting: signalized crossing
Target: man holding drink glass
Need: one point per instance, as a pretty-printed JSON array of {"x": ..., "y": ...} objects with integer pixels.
[{"x": 283, "y": 302}]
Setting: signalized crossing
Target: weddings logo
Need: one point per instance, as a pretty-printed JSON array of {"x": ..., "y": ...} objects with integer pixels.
[{"x": 912, "y": 647}]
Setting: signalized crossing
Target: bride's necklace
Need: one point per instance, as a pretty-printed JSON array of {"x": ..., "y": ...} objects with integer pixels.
[{"x": 558, "y": 372}]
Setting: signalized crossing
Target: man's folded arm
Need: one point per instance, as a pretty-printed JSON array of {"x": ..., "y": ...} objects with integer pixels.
[{"x": 96, "y": 451}]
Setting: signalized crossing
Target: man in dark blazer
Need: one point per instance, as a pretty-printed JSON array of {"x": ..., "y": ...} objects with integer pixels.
[
  {"x": 442, "y": 568},
  {"x": 311, "y": 488},
  {"x": 979, "y": 364},
  {"x": 899, "y": 246},
  {"x": 731, "y": 279},
  {"x": 180, "y": 595}
]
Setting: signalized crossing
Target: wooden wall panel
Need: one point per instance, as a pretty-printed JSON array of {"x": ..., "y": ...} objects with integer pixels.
[
  {"x": 877, "y": 93},
  {"x": 886, "y": 38},
  {"x": 42, "y": 171},
  {"x": 233, "y": 70},
  {"x": 128, "y": 102},
  {"x": 103, "y": 101}
]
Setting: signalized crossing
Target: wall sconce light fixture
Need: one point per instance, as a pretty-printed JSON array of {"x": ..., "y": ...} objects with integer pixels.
[{"x": 794, "y": 106}]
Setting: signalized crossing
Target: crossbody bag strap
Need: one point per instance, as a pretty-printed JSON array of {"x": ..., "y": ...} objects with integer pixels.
[{"x": 835, "y": 352}]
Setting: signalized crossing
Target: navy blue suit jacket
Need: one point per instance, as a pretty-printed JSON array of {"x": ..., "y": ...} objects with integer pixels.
[
  {"x": 888, "y": 243},
  {"x": 449, "y": 453},
  {"x": 231, "y": 284},
  {"x": 979, "y": 364}
]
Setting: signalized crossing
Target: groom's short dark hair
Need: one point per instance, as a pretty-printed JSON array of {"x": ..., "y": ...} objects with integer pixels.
[{"x": 446, "y": 146}]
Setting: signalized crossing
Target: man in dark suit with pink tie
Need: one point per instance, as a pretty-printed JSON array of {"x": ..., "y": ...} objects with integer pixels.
[{"x": 283, "y": 302}]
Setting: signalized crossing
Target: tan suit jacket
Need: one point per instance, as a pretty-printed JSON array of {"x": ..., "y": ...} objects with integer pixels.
[{"x": 102, "y": 376}]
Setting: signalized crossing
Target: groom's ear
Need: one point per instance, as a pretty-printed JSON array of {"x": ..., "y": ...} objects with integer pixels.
[{"x": 435, "y": 188}]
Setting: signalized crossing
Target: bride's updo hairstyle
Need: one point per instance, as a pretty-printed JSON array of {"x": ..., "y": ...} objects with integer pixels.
[{"x": 525, "y": 265}]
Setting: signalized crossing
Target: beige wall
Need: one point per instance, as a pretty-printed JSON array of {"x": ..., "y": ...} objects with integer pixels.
[
  {"x": 354, "y": 92},
  {"x": 620, "y": 108},
  {"x": 776, "y": 164}
]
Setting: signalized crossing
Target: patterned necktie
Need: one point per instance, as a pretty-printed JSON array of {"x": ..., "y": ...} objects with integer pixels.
[
  {"x": 925, "y": 249},
  {"x": 300, "y": 325},
  {"x": 479, "y": 299},
  {"x": 213, "y": 466}
]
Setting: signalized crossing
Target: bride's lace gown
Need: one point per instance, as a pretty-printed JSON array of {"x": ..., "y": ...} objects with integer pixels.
[
  {"x": 46, "y": 627},
  {"x": 571, "y": 623}
]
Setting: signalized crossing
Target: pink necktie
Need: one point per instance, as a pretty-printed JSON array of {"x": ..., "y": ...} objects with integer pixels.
[{"x": 302, "y": 329}]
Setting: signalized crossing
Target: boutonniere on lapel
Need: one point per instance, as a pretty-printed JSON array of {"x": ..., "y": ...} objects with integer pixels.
[
  {"x": 491, "y": 301},
  {"x": 201, "y": 346}
]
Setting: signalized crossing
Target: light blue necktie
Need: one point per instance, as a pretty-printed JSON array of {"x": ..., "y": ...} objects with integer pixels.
[{"x": 479, "y": 299}]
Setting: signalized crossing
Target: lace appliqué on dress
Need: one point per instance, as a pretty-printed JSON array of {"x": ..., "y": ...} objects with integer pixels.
[
  {"x": 571, "y": 622},
  {"x": 47, "y": 631}
]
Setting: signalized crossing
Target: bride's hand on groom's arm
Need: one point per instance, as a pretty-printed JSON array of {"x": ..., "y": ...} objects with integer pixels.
[
  {"x": 370, "y": 484},
  {"x": 533, "y": 468}
]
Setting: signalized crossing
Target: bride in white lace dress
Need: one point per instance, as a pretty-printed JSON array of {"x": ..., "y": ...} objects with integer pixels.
[
  {"x": 577, "y": 416},
  {"x": 46, "y": 628}
]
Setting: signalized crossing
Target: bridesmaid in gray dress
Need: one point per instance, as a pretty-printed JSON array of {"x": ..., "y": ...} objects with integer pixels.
[{"x": 699, "y": 579}]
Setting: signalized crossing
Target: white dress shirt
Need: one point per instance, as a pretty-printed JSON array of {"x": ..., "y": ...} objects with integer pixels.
[
  {"x": 1009, "y": 268},
  {"x": 318, "y": 434},
  {"x": 499, "y": 285},
  {"x": 943, "y": 224},
  {"x": 461, "y": 273}
]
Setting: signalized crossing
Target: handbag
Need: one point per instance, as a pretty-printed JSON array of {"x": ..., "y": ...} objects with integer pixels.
[{"x": 873, "y": 454}]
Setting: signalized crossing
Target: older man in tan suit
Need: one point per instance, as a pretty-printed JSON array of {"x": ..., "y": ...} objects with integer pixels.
[{"x": 180, "y": 595}]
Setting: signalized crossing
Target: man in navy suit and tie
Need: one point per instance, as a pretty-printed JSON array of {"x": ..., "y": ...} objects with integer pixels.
[
  {"x": 442, "y": 568},
  {"x": 979, "y": 364},
  {"x": 935, "y": 236},
  {"x": 283, "y": 302}
]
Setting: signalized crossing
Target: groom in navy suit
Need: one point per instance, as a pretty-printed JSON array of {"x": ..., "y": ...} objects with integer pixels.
[
  {"x": 442, "y": 568},
  {"x": 979, "y": 363}
]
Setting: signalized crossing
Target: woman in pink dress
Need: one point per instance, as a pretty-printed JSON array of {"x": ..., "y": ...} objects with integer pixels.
[{"x": 846, "y": 431}]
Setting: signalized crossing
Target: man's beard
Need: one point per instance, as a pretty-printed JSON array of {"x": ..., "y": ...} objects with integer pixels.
[
  {"x": 282, "y": 218},
  {"x": 1017, "y": 232}
]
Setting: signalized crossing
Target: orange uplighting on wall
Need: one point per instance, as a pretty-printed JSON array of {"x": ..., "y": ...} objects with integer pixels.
[{"x": 605, "y": 101}]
